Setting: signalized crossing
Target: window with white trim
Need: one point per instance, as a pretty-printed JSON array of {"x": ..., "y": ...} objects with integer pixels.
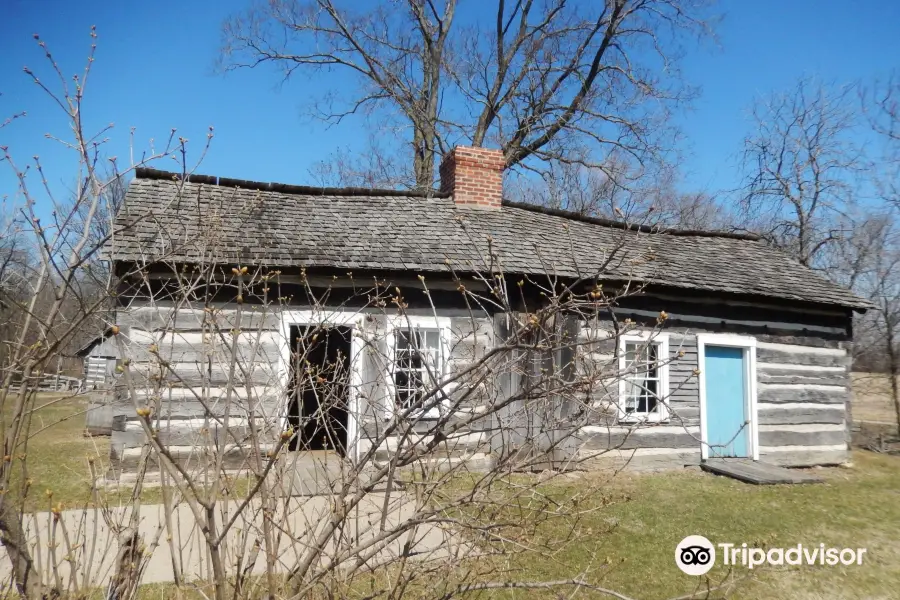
[
  {"x": 643, "y": 377},
  {"x": 419, "y": 360}
]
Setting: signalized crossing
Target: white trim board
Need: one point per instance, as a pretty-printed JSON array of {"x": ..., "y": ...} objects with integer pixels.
[{"x": 749, "y": 346}]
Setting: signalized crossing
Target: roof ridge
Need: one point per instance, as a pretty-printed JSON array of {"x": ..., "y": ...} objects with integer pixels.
[
  {"x": 641, "y": 227},
  {"x": 283, "y": 188}
]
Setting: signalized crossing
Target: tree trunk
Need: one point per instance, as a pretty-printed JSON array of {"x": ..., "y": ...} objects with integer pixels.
[
  {"x": 124, "y": 583},
  {"x": 894, "y": 366},
  {"x": 26, "y": 578},
  {"x": 423, "y": 159}
]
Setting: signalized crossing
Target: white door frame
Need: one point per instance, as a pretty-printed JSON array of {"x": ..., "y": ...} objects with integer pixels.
[
  {"x": 748, "y": 344},
  {"x": 338, "y": 318}
]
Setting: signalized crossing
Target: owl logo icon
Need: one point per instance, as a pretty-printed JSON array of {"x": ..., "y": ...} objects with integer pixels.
[{"x": 695, "y": 555}]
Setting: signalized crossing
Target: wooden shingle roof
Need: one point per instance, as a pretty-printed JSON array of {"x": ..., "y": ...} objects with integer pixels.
[{"x": 234, "y": 222}]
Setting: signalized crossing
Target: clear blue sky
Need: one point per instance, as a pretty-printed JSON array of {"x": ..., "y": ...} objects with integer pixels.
[{"x": 154, "y": 71}]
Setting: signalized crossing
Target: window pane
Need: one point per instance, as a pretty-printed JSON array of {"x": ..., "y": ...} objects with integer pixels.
[
  {"x": 631, "y": 353},
  {"x": 632, "y": 387},
  {"x": 630, "y": 404},
  {"x": 402, "y": 340},
  {"x": 641, "y": 353},
  {"x": 417, "y": 363},
  {"x": 641, "y": 378},
  {"x": 432, "y": 340}
]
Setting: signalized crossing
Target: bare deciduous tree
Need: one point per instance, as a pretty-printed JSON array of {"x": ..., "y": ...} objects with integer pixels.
[
  {"x": 875, "y": 245},
  {"x": 546, "y": 80},
  {"x": 618, "y": 192},
  {"x": 882, "y": 104},
  {"x": 799, "y": 166},
  {"x": 873, "y": 268}
]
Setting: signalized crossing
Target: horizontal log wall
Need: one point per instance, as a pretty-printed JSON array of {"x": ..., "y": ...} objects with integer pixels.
[
  {"x": 626, "y": 437},
  {"x": 181, "y": 360},
  {"x": 803, "y": 395},
  {"x": 802, "y": 374},
  {"x": 803, "y": 380},
  {"x": 192, "y": 442},
  {"x": 640, "y": 459}
]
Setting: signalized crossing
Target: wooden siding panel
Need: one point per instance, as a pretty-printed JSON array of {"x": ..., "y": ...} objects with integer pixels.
[{"x": 683, "y": 396}]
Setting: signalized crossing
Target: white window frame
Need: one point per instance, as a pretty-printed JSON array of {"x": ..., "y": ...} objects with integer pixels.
[
  {"x": 662, "y": 341},
  {"x": 748, "y": 345},
  {"x": 425, "y": 322}
]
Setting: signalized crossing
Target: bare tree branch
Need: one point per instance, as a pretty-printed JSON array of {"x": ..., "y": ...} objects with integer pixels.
[{"x": 540, "y": 71}]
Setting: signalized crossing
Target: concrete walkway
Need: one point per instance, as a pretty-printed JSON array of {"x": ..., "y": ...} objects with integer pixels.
[{"x": 176, "y": 542}]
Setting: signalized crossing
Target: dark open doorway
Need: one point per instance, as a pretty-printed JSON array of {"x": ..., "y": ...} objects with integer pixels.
[{"x": 320, "y": 377}]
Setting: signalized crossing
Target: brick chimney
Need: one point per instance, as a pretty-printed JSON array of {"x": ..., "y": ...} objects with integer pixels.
[{"x": 474, "y": 176}]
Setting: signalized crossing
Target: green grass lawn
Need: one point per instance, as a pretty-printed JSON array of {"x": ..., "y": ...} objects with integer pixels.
[
  {"x": 629, "y": 544},
  {"x": 58, "y": 454},
  {"x": 62, "y": 460},
  {"x": 628, "y": 540}
]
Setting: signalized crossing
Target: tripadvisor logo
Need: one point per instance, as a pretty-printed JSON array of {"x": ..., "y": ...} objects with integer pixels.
[{"x": 696, "y": 555}]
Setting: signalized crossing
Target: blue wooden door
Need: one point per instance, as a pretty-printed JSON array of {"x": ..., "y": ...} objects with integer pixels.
[{"x": 727, "y": 427}]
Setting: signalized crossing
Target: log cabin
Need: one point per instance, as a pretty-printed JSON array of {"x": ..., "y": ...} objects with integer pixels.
[{"x": 751, "y": 360}]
